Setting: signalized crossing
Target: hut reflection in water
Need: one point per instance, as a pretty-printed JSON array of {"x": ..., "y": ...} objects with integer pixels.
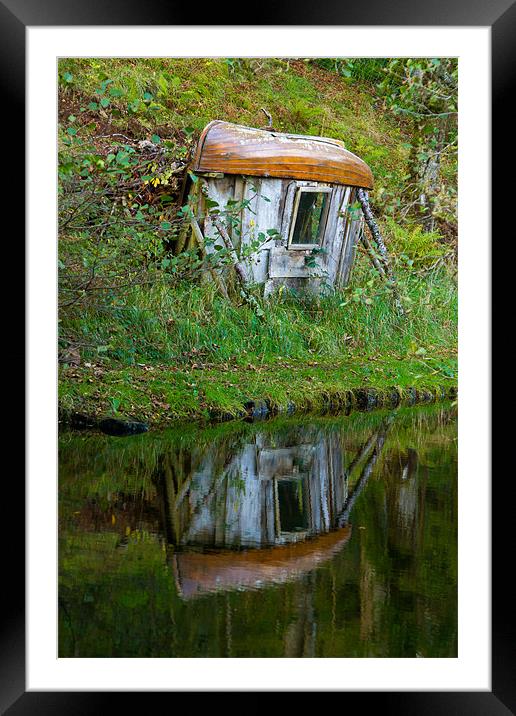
[
  {"x": 270, "y": 513},
  {"x": 298, "y": 538}
]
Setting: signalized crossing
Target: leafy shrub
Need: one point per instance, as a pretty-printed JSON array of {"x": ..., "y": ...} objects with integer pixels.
[{"x": 413, "y": 246}]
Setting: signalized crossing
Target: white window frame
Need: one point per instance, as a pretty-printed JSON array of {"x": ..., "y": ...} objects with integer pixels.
[{"x": 318, "y": 189}]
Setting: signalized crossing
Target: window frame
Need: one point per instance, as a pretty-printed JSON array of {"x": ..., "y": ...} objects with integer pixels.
[{"x": 317, "y": 189}]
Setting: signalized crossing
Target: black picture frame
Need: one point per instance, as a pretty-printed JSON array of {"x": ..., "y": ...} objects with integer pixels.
[{"x": 15, "y": 16}]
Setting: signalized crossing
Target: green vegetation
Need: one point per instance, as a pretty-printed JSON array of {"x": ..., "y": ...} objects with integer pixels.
[
  {"x": 201, "y": 354},
  {"x": 391, "y": 591},
  {"x": 143, "y": 332}
]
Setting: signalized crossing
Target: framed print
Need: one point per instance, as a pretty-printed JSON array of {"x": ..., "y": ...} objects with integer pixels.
[{"x": 429, "y": 638}]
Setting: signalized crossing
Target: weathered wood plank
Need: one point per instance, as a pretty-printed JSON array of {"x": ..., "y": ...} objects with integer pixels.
[
  {"x": 289, "y": 263},
  {"x": 334, "y": 233},
  {"x": 348, "y": 242},
  {"x": 261, "y": 215}
]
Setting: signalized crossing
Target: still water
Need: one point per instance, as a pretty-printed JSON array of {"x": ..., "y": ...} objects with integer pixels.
[{"x": 321, "y": 537}]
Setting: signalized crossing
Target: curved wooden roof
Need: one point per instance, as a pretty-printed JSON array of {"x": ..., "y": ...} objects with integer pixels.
[{"x": 234, "y": 149}]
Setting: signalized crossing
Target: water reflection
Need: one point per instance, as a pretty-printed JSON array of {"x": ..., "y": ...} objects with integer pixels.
[
  {"x": 277, "y": 497},
  {"x": 327, "y": 538}
]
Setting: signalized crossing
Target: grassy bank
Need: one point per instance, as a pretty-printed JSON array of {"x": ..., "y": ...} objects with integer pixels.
[
  {"x": 159, "y": 394},
  {"x": 143, "y": 334},
  {"x": 187, "y": 353}
]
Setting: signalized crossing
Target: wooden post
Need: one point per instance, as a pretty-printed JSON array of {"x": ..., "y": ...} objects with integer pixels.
[
  {"x": 181, "y": 239},
  {"x": 375, "y": 233},
  {"x": 196, "y": 235},
  {"x": 217, "y": 278},
  {"x": 378, "y": 266},
  {"x": 237, "y": 265},
  {"x": 226, "y": 238},
  {"x": 373, "y": 226},
  {"x": 362, "y": 453},
  {"x": 379, "y": 441}
]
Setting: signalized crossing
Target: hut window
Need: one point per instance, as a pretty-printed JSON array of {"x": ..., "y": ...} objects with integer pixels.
[
  {"x": 293, "y": 515},
  {"x": 309, "y": 216}
]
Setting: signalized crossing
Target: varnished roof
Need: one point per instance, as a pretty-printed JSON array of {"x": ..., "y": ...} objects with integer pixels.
[{"x": 234, "y": 149}]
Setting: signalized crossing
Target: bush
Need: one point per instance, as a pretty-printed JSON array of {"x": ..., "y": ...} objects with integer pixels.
[{"x": 413, "y": 246}]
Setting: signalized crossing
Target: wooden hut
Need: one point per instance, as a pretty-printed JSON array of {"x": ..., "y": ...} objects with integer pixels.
[
  {"x": 298, "y": 220},
  {"x": 270, "y": 517}
]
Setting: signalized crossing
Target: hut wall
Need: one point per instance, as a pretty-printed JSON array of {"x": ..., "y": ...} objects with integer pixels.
[
  {"x": 271, "y": 206},
  {"x": 240, "y": 504}
]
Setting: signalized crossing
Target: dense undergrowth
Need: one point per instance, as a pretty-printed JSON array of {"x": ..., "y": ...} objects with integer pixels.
[
  {"x": 143, "y": 332},
  {"x": 193, "y": 321}
]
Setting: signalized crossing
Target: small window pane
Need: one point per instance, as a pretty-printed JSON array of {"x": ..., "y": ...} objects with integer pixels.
[{"x": 310, "y": 213}]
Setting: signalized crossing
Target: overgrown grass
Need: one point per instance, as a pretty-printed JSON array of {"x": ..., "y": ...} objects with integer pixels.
[
  {"x": 173, "y": 322},
  {"x": 185, "y": 352},
  {"x": 159, "y": 394}
]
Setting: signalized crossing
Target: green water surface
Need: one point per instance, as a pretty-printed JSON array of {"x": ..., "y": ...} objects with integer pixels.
[{"x": 315, "y": 537}]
